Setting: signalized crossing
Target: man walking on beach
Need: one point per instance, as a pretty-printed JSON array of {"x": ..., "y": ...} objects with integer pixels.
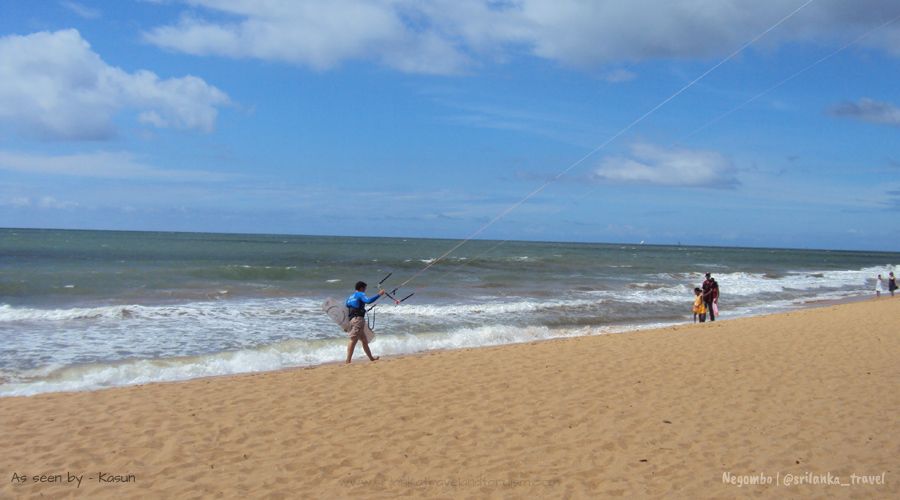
[
  {"x": 710, "y": 295},
  {"x": 356, "y": 305}
]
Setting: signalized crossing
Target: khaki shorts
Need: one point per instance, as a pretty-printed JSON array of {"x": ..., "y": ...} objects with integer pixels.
[{"x": 357, "y": 326}]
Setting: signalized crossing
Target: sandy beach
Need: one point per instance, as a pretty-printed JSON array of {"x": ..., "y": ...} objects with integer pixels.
[{"x": 805, "y": 402}]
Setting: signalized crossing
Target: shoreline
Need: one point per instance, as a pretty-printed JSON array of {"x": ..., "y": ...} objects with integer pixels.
[
  {"x": 359, "y": 357},
  {"x": 655, "y": 413}
]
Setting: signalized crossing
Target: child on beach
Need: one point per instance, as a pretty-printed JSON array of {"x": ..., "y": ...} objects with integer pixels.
[
  {"x": 879, "y": 286},
  {"x": 699, "y": 306}
]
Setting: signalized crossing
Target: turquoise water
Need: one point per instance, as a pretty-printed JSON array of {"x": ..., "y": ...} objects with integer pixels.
[{"x": 88, "y": 309}]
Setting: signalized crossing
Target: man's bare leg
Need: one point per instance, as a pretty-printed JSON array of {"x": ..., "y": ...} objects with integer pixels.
[
  {"x": 365, "y": 343},
  {"x": 350, "y": 347}
]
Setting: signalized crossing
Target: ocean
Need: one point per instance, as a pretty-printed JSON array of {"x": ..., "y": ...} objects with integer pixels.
[{"x": 83, "y": 310}]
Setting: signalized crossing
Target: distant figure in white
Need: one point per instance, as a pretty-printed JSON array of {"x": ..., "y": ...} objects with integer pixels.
[{"x": 879, "y": 286}]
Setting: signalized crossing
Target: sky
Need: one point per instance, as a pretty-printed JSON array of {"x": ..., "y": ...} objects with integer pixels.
[{"x": 771, "y": 123}]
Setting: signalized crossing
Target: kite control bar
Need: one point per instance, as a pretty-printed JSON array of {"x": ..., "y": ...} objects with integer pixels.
[{"x": 392, "y": 293}]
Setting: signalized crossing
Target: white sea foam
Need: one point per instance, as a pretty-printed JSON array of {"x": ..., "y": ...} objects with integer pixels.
[
  {"x": 734, "y": 285},
  {"x": 749, "y": 284},
  {"x": 197, "y": 310},
  {"x": 293, "y": 353},
  {"x": 58, "y": 377}
]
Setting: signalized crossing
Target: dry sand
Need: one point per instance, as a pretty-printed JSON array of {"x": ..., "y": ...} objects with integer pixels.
[{"x": 688, "y": 412}]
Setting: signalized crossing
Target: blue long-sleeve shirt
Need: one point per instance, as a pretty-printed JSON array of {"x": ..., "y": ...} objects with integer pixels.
[{"x": 357, "y": 300}]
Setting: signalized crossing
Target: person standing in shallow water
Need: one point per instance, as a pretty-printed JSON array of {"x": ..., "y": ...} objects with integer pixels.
[
  {"x": 356, "y": 309},
  {"x": 710, "y": 295},
  {"x": 892, "y": 283},
  {"x": 879, "y": 286}
]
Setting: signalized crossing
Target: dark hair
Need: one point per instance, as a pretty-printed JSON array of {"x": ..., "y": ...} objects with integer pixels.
[
  {"x": 697, "y": 290},
  {"x": 360, "y": 285}
]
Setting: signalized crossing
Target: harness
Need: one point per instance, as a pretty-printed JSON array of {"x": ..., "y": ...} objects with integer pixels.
[{"x": 358, "y": 311}]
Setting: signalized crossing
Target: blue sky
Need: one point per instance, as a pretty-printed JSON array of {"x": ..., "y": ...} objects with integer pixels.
[{"x": 428, "y": 119}]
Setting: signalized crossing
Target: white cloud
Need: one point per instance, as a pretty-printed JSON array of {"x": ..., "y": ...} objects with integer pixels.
[
  {"x": 18, "y": 202},
  {"x": 450, "y": 36},
  {"x": 52, "y": 203},
  {"x": 103, "y": 164},
  {"x": 869, "y": 110},
  {"x": 43, "y": 202},
  {"x": 650, "y": 164},
  {"x": 81, "y": 10},
  {"x": 888, "y": 39},
  {"x": 503, "y": 118},
  {"x": 619, "y": 76},
  {"x": 54, "y": 86},
  {"x": 316, "y": 34}
]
